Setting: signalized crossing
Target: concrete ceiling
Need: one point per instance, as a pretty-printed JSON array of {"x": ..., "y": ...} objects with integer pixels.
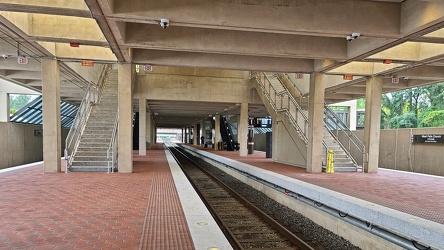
[{"x": 302, "y": 36}]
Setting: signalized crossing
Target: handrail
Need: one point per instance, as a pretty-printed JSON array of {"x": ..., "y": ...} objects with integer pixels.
[
  {"x": 77, "y": 127},
  {"x": 112, "y": 153},
  {"x": 286, "y": 105},
  {"x": 294, "y": 84},
  {"x": 334, "y": 124},
  {"x": 289, "y": 103},
  {"x": 102, "y": 80}
]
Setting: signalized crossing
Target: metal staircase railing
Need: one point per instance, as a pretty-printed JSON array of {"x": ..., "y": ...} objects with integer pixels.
[
  {"x": 92, "y": 95},
  {"x": 72, "y": 140},
  {"x": 283, "y": 102},
  {"x": 335, "y": 125},
  {"x": 112, "y": 152}
]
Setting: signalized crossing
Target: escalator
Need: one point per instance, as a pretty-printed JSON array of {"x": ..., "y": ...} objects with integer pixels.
[{"x": 227, "y": 135}]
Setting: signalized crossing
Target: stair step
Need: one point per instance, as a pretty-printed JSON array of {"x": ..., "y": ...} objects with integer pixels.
[
  {"x": 91, "y": 153},
  {"x": 90, "y": 163},
  {"x": 345, "y": 169},
  {"x": 88, "y": 168},
  {"x": 83, "y": 158},
  {"x": 95, "y": 140},
  {"x": 93, "y": 144},
  {"x": 93, "y": 149}
]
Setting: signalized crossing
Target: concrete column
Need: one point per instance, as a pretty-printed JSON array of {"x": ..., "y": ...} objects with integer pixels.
[
  {"x": 372, "y": 122},
  {"x": 315, "y": 123},
  {"x": 51, "y": 116},
  {"x": 154, "y": 138},
  {"x": 149, "y": 134},
  {"x": 352, "y": 115},
  {"x": 217, "y": 135},
  {"x": 243, "y": 129},
  {"x": 125, "y": 132},
  {"x": 195, "y": 135},
  {"x": 183, "y": 135},
  {"x": 4, "y": 107},
  {"x": 142, "y": 126}
]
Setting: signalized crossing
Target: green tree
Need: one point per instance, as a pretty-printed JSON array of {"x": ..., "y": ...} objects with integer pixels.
[
  {"x": 415, "y": 107},
  {"x": 16, "y": 102}
]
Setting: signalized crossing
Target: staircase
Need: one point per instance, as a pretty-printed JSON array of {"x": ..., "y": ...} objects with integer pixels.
[
  {"x": 91, "y": 153},
  {"x": 342, "y": 161},
  {"x": 282, "y": 100}
]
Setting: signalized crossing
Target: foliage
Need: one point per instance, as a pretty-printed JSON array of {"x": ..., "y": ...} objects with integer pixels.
[
  {"x": 410, "y": 108},
  {"x": 432, "y": 119},
  {"x": 360, "y": 103},
  {"x": 16, "y": 102}
]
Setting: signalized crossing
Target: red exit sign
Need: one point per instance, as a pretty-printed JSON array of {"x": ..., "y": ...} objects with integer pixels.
[{"x": 348, "y": 77}]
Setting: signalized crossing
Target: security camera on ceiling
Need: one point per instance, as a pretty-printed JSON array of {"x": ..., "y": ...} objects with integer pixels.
[
  {"x": 164, "y": 23},
  {"x": 353, "y": 36}
]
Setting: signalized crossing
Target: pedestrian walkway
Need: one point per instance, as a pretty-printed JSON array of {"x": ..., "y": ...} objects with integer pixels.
[{"x": 92, "y": 210}]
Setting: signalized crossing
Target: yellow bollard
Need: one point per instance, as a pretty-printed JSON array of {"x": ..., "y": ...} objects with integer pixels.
[{"x": 330, "y": 162}]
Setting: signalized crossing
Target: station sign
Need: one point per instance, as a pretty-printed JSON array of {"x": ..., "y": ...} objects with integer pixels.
[{"x": 428, "y": 138}]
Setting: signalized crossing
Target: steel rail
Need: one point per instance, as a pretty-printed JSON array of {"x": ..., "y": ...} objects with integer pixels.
[{"x": 236, "y": 243}]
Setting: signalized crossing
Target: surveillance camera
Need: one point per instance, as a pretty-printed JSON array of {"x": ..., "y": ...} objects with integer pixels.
[
  {"x": 5, "y": 56},
  {"x": 349, "y": 38},
  {"x": 355, "y": 35},
  {"x": 164, "y": 23}
]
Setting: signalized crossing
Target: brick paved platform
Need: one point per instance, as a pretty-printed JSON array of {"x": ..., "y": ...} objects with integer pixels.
[{"x": 93, "y": 210}]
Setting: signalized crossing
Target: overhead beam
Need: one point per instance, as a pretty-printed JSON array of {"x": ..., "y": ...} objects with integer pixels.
[
  {"x": 371, "y": 18},
  {"x": 221, "y": 61},
  {"x": 68, "y": 8},
  {"x": 234, "y": 42},
  {"x": 83, "y": 52}
]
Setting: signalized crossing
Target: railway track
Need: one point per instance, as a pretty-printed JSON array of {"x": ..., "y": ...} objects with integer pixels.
[{"x": 245, "y": 226}]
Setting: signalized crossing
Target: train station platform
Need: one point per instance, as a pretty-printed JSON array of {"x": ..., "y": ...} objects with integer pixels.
[
  {"x": 409, "y": 200},
  {"x": 155, "y": 207}
]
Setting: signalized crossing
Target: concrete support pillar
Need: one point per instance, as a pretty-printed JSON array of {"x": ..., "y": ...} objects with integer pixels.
[
  {"x": 195, "y": 135},
  {"x": 154, "y": 138},
  {"x": 217, "y": 135},
  {"x": 243, "y": 129},
  {"x": 149, "y": 134},
  {"x": 51, "y": 116},
  {"x": 4, "y": 107},
  {"x": 352, "y": 115},
  {"x": 125, "y": 132},
  {"x": 183, "y": 135},
  {"x": 315, "y": 123},
  {"x": 142, "y": 126},
  {"x": 372, "y": 122}
]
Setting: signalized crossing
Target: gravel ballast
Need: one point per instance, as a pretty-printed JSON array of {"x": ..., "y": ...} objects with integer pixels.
[{"x": 315, "y": 235}]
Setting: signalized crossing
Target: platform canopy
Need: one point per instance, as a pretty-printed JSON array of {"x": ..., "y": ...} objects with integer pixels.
[{"x": 349, "y": 40}]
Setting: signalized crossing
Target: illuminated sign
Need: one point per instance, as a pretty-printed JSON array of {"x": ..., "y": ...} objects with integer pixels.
[
  {"x": 348, "y": 77},
  {"x": 88, "y": 63}
]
